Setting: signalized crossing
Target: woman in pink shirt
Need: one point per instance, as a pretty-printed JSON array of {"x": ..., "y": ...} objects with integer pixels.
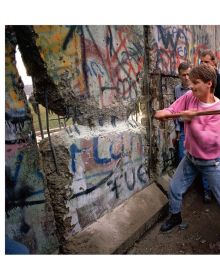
[{"x": 202, "y": 140}]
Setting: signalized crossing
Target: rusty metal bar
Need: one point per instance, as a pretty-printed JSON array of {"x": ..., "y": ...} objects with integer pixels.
[
  {"x": 59, "y": 121},
  {"x": 39, "y": 120},
  {"x": 48, "y": 133}
]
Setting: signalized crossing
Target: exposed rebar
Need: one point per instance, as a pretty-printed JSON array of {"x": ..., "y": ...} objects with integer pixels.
[
  {"x": 39, "y": 120},
  {"x": 48, "y": 133}
]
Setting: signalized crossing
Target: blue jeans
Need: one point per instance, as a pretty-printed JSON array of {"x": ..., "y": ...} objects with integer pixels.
[
  {"x": 205, "y": 184},
  {"x": 181, "y": 153},
  {"x": 185, "y": 174},
  {"x": 181, "y": 149}
]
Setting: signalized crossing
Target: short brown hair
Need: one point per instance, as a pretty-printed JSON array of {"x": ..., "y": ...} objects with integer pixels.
[
  {"x": 205, "y": 73},
  {"x": 210, "y": 53},
  {"x": 183, "y": 66}
]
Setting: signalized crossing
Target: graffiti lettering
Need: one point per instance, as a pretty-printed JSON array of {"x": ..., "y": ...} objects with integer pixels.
[
  {"x": 95, "y": 152},
  {"x": 171, "y": 47},
  {"x": 92, "y": 151},
  {"x": 129, "y": 177},
  {"x": 117, "y": 182},
  {"x": 89, "y": 190},
  {"x": 74, "y": 150},
  {"x": 69, "y": 35}
]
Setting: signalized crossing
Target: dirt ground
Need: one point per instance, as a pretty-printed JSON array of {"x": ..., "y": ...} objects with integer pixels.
[{"x": 202, "y": 236}]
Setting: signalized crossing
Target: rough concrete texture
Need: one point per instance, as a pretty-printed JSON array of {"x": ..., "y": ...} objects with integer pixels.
[
  {"x": 86, "y": 71},
  {"x": 29, "y": 215},
  {"x": 57, "y": 182},
  {"x": 117, "y": 230},
  {"x": 98, "y": 170}
]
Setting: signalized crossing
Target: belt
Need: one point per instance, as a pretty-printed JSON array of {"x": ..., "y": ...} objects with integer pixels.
[{"x": 203, "y": 162}]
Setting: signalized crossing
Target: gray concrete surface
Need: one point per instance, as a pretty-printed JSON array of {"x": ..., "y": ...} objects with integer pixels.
[{"x": 117, "y": 230}]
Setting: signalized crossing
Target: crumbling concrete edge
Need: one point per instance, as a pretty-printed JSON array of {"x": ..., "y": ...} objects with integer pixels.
[
  {"x": 123, "y": 248},
  {"x": 163, "y": 184},
  {"x": 116, "y": 231}
]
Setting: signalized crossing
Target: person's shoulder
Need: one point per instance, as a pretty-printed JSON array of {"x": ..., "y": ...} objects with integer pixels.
[
  {"x": 177, "y": 91},
  {"x": 189, "y": 95},
  {"x": 178, "y": 87},
  {"x": 189, "y": 92}
]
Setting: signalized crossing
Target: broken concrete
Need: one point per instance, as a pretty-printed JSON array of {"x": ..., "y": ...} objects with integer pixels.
[{"x": 116, "y": 231}]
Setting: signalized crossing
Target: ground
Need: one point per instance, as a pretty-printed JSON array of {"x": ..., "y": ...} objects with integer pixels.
[{"x": 202, "y": 236}]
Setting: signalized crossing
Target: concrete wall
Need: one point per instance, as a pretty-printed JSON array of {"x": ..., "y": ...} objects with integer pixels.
[
  {"x": 171, "y": 45},
  {"x": 108, "y": 80},
  {"x": 93, "y": 74},
  {"x": 29, "y": 215}
]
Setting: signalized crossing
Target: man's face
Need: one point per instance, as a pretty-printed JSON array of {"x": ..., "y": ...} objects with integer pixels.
[
  {"x": 207, "y": 60},
  {"x": 200, "y": 88},
  {"x": 184, "y": 77}
]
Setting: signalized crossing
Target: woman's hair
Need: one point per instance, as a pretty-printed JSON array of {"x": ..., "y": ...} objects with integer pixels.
[{"x": 205, "y": 73}]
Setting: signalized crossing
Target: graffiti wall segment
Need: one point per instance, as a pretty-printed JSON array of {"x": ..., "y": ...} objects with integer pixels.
[
  {"x": 25, "y": 205},
  {"x": 108, "y": 164},
  {"x": 119, "y": 64},
  {"x": 102, "y": 63},
  {"x": 171, "y": 45}
]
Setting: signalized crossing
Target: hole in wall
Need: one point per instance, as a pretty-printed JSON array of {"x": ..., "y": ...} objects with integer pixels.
[{"x": 56, "y": 123}]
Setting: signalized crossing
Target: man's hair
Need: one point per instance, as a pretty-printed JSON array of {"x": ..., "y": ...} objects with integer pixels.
[
  {"x": 205, "y": 73},
  {"x": 210, "y": 53},
  {"x": 183, "y": 66}
]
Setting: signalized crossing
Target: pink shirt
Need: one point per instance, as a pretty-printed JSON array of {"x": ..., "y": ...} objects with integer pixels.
[{"x": 202, "y": 134}]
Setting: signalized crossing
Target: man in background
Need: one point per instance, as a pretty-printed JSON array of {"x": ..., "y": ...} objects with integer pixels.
[
  {"x": 183, "y": 70},
  {"x": 208, "y": 57}
]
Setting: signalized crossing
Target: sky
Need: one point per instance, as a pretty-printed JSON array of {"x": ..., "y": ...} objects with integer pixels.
[{"x": 21, "y": 69}]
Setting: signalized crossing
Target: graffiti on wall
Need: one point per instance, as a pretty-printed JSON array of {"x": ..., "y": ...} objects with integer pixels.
[
  {"x": 18, "y": 137},
  {"x": 109, "y": 165},
  {"x": 94, "y": 163},
  {"x": 18, "y": 131},
  {"x": 121, "y": 60},
  {"x": 24, "y": 184},
  {"x": 108, "y": 70},
  {"x": 172, "y": 45}
]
